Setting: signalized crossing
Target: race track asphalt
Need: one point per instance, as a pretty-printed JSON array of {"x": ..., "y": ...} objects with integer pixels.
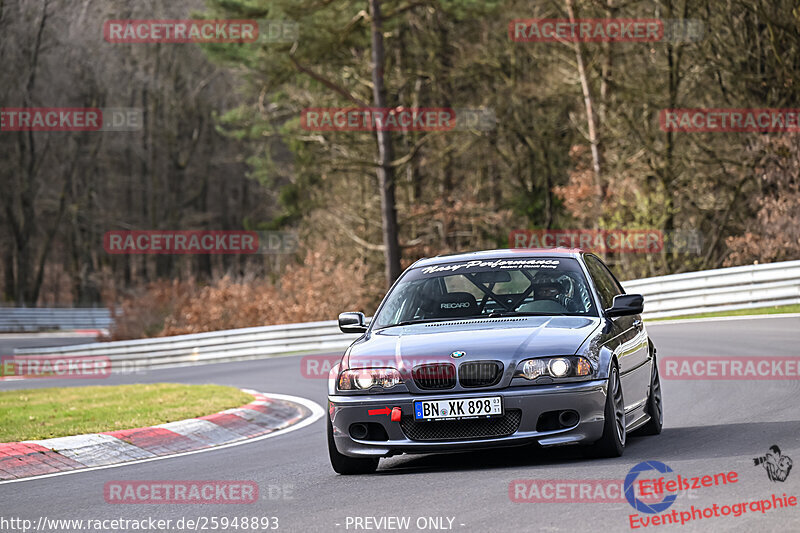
[{"x": 710, "y": 427}]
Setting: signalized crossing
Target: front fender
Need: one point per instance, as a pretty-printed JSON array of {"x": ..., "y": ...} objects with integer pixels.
[
  {"x": 594, "y": 348},
  {"x": 333, "y": 375}
]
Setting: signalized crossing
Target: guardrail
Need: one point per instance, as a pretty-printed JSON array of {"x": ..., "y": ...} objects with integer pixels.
[
  {"x": 678, "y": 294},
  {"x": 51, "y": 318},
  {"x": 216, "y": 346},
  {"x": 724, "y": 289}
]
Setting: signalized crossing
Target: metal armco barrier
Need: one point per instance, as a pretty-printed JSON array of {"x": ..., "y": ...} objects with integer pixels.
[
  {"x": 724, "y": 289},
  {"x": 51, "y": 318},
  {"x": 679, "y": 294},
  {"x": 217, "y": 346}
]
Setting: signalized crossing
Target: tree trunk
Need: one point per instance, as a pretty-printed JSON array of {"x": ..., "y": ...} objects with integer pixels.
[
  {"x": 391, "y": 248},
  {"x": 590, "y": 116}
]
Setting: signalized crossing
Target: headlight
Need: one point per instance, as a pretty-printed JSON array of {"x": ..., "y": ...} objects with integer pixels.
[
  {"x": 366, "y": 378},
  {"x": 534, "y": 368},
  {"x": 556, "y": 367}
]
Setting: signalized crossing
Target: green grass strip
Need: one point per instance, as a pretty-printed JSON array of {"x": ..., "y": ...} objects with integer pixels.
[{"x": 57, "y": 412}]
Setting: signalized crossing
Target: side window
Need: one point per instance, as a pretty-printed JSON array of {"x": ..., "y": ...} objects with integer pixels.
[{"x": 606, "y": 285}]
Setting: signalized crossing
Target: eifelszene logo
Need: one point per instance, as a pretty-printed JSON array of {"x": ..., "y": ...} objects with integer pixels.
[{"x": 638, "y": 504}]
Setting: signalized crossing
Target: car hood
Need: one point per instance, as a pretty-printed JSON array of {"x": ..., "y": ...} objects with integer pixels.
[{"x": 506, "y": 339}]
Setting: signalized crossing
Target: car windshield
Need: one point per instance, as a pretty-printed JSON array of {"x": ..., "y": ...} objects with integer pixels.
[{"x": 488, "y": 288}]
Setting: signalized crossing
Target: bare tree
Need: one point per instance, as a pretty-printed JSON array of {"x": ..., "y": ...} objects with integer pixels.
[{"x": 386, "y": 171}]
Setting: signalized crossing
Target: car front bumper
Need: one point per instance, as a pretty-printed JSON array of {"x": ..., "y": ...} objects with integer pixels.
[{"x": 586, "y": 398}]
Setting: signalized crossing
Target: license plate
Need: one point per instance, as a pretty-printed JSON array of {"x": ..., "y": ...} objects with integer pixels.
[{"x": 458, "y": 408}]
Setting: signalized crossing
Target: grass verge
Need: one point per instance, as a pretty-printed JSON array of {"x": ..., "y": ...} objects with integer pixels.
[
  {"x": 738, "y": 312},
  {"x": 30, "y": 414}
]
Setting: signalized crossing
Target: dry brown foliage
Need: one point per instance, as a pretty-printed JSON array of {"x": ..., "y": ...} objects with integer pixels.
[
  {"x": 317, "y": 289},
  {"x": 142, "y": 313},
  {"x": 442, "y": 227},
  {"x": 579, "y": 194},
  {"x": 774, "y": 235}
]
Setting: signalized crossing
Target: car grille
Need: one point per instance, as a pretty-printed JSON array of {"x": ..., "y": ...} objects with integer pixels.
[
  {"x": 483, "y": 428},
  {"x": 437, "y": 376},
  {"x": 480, "y": 373}
]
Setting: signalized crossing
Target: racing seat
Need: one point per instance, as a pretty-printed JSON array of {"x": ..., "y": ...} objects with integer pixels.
[
  {"x": 546, "y": 299},
  {"x": 456, "y": 304}
]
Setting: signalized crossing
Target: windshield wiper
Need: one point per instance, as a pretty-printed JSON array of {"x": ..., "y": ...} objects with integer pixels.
[
  {"x": 416, "y": 321},
  {"x": 422, "y": 320},
  {"x": 409, "y": 322},
  {"x": 498, "y": 314}
]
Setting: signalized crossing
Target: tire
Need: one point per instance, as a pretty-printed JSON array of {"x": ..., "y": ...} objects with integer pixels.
[
  {"x": 348, "y": 466},
  {"x": 655, "y": 406},
  {"x": 612, "y": 443}
]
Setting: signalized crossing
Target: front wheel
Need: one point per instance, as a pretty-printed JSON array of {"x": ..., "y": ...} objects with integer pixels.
[
  {"x": 345, "y": 465},
  {"x": 612, "y": 443}
]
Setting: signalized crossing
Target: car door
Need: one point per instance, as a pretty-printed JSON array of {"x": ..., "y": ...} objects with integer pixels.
[{"x": 628, "y": 340}]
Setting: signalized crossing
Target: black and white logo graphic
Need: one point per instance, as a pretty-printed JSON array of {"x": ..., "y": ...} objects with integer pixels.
[{"x": 777, "y": 466}]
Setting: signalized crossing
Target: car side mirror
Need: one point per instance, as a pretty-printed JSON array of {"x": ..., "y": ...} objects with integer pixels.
[
  {"x": 626, "y": 304},
  {"x": 352, "y": 323}
]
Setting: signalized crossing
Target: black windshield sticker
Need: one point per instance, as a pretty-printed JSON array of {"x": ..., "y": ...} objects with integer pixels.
[{"x": 498, "y": 264}]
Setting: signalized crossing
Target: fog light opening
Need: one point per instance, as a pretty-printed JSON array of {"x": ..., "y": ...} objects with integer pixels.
[
  {"x": 359, "y": 431},
  {"x": 568, "y": 418}
]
